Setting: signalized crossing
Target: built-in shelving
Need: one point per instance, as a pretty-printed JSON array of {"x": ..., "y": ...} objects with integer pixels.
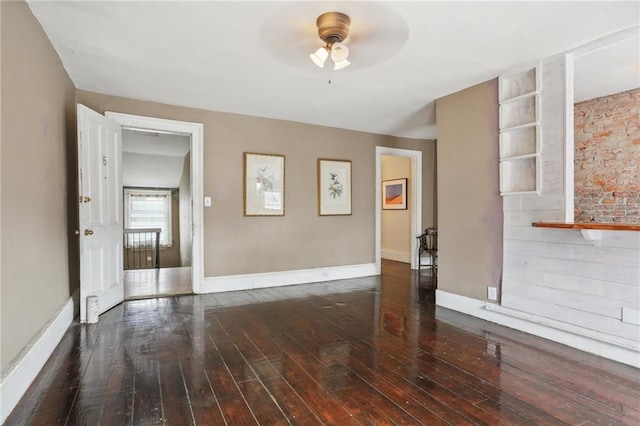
[{"x": 519, "y": 94}]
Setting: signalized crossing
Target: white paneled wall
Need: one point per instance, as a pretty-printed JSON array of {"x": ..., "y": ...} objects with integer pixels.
[{"x": 557, "y": 274}]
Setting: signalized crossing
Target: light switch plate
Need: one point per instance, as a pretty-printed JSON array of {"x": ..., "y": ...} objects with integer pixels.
[{"x": 207, "y": 201}]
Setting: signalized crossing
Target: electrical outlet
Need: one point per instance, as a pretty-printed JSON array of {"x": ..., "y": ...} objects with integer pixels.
[
  {"x": 492, "y": 293},
  {"x": 630, "y": 316}
]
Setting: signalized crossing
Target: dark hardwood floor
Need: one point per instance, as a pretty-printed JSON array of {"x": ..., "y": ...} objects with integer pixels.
[{"x": 367, "y": 351}]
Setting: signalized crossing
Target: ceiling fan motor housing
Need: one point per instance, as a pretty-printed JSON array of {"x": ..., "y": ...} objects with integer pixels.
[{"x": 333, "y": 27}]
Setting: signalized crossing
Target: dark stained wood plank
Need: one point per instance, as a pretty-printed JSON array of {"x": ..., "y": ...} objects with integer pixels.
[
  {"x": 433, "y": 374},
  {"x": 231, "y": 402},
  {"x": 106, "y": 389},
  {"x": 497, "y": 407},
  {"x": 371, "y": 350},
  {"x": 147, "y": 398},
  {"x": 291, "y": 404},
  {"x": 117, "y": 409},
  {"x": 204, "y": 402},
  {"x": 327, "y": 365},
  {"x": 53, "y": 376},
  {"x": 531, "y": 360},
  {"x": 468, "y": 413},
  {"x": 176, "y": 403},
  {"x": 238, "y": 367},
  {"x": 54, "y": 390},
  {"x": 582, "y": 388},
  {"x": 441, "y": 371},
  {"x": 24, "y": 410},
  {"x": 53, "y": 409},
  {"x": 268, "y": 371},
  {"x": 265, "y": 409},
  {"x": 322, "y": 404}
]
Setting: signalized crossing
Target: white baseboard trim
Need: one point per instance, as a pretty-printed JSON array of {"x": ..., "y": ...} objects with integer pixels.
[
  {"x": 398, "y": 256},
  {"x": 19, "y": 375},
  {"x": 618, "y": 349},
  {"x": 276, "y": 279}
]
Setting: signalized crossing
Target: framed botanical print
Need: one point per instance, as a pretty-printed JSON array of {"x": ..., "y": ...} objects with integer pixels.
[
  {"x": 263, "y": 184},
  {"x": 334, "y": 187}
]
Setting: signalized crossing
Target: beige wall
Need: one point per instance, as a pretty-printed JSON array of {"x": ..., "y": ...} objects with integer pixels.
[
  {"x": 234, "y": 244},
  {"x": 38, "y": 117},
  {"x": 396, "y": 224},
  {"x": 170, "y": 258},
  {"x": 469, "y": 203},
  {"x": 186, "y": 241}
]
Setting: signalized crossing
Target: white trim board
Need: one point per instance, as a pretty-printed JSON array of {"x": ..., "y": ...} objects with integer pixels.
[
  {"x": 617, "y": 349},
  {"x": 18, "y": 377},
  {"x": 196, "y": 132},
  {"x": 277, "y": 279}
]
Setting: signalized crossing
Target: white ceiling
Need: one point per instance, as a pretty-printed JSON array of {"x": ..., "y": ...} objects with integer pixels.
[
  {"x": 609, "y": 70},
  {"x": 144, "y": 142},
  {"x": 153, "y": 160},
  {"x": 252, "y": 57}
]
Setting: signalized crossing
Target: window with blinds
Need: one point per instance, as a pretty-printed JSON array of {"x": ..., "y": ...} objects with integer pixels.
[{"x": 148, "y": 208}]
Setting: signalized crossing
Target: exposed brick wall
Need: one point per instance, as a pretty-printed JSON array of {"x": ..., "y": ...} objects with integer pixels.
[{"x": 607, "y": 158}]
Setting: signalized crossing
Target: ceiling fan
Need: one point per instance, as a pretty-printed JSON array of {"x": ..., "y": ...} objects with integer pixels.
[{"x": 333, "y": 29}]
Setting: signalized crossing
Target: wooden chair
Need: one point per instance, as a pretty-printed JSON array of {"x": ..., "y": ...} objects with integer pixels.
[{"x": 428, "y": 245}]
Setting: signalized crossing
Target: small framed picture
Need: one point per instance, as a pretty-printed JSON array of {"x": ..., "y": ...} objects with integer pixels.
[
  {"x": 394, "y": 194},
  {"x": 334, "y": 187},
  {"x": 263, "y": 184}
]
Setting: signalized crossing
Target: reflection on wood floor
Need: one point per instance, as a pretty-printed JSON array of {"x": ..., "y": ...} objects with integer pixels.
[
  {"x": 365, "y": 351},
  {"x": 145, "y": 283}
]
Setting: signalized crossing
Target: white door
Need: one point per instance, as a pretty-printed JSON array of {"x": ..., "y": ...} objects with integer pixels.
[{"x": 100, "y": 198}]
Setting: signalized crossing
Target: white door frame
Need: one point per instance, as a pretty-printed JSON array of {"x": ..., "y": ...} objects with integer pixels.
[
  {"x": 415, "y": 199},
  {"x": 196, "y": 132}
]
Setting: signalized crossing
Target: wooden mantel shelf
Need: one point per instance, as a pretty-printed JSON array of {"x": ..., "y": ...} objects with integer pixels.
[
  {"x": 589, "y": 225},
  {"x": 590, "y": 231}
]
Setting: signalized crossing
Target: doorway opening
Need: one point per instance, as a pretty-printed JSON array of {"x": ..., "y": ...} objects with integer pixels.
[
  {"x": 414, "y": 199},
  {"x": 156, "y": 211},
  {"x": 395, "y": 225},
  {"x": 162, "y": 176}
]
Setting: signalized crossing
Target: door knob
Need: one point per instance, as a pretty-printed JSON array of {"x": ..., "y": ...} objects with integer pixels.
[
  {"x": 76, "y": 232},
  {"x": 88, "y": 232}
]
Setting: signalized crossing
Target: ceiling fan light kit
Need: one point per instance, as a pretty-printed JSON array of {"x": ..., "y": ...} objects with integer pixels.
[
  {"x": 333, "y": 29},
  {"x": 319, "y": 56}
]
